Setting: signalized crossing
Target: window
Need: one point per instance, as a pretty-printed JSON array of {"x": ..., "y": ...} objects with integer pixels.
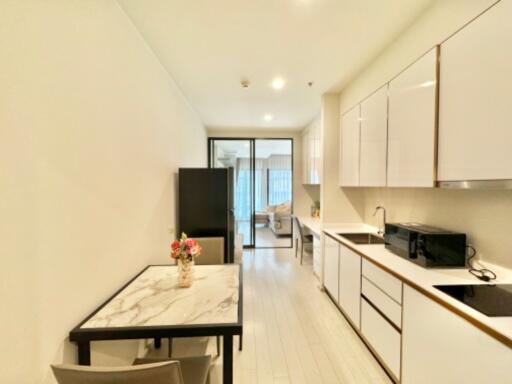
[{"x": 279, "y": 186}]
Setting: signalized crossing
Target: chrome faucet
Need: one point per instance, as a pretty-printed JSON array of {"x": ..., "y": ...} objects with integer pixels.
[{"x": 381, "y": 229}]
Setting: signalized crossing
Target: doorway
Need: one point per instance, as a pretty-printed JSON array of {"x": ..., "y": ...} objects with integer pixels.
[{"x": 263, "y": 188}]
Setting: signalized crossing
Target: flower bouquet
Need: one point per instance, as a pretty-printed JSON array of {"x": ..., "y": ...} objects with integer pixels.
[{"x": 184, "y": 251}]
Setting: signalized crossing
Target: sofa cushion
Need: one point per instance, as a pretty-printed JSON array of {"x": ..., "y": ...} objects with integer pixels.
[{"x": 283, "y": 208}]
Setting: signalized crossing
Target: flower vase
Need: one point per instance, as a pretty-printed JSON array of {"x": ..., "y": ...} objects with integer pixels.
[{"x": 185, "y": 273}]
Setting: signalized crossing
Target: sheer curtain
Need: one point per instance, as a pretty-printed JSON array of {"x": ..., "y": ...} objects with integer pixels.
[
  {"x": 279, "y": 186},
  {"x": 279, "y": 179},
  {"x": 243, "y": 194},
  {"x": 260, "y": 184},
  {"x": 273, "y": 184}
]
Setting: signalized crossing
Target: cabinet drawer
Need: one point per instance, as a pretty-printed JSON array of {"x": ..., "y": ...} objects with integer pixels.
[
  {"x": 385, "y": 281},
  {"x": 384, "y": 339},
  {"x": 390, "y": 308}
]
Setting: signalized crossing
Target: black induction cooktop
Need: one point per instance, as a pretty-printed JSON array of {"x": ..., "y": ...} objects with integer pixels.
[{"x": 491, "y": 300}]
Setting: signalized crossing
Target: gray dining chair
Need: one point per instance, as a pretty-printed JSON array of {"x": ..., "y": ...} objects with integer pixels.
[
  {"x": 192, "y": 370},
  {"x": 213, "y": 253},
  {"x": 213, "y": 250},
  {"x": 306, "y": 241}
]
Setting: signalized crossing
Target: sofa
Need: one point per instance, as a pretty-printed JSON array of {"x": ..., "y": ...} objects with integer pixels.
[{"x": 280, "y": 219}]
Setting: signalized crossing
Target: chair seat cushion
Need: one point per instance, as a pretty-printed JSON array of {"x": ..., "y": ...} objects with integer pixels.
[
  {"x": 157, "y": 373},
  {"x": 194, "y": 369}
]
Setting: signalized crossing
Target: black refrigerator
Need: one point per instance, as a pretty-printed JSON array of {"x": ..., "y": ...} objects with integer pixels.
[{"x": 206, "y": 205}]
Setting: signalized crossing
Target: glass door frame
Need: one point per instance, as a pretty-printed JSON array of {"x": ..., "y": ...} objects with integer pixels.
[
  {"x": 211, "y": 155},
  {"x": 252, "y": 141}
]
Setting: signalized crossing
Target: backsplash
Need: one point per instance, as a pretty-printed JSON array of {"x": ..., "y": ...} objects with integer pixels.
[{"x": 484, "y": 215}]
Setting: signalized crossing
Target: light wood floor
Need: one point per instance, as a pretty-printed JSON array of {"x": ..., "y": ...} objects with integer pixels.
[
  {"x": 266, "y": 238},
  {"x": 293, "y": 333}
]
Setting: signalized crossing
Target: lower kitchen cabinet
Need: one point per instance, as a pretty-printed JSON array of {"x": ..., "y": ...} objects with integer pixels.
[
  {"x": 416, "y": 339},
  {"x": 331, "y": 267},
  {"x": 349, "y": 296},
  {"x": 375, "y": 295},
  {"x": 441, "y": 347},
  {"x": 383, "y": 338}
]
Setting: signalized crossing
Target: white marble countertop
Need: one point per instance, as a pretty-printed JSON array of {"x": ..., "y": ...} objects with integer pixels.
[
  {"x": 315, "y": 224},
  {"x": 425, "y": 278},
  {"x": 154, "y": 299}
]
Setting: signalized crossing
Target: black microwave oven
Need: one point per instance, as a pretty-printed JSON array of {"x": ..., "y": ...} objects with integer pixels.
[{"x": 426, "y": 246}]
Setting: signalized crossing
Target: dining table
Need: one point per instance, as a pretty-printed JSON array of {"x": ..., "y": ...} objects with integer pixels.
[{"x": 152, "y": 306}]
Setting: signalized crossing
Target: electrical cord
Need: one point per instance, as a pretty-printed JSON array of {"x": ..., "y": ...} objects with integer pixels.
[{"x": 483, "y": 274}]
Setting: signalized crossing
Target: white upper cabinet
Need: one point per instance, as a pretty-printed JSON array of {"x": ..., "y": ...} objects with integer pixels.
[
  {"x": 311, "y": 156},
  {"x": 311, "y": 160},
  {"x": 305, "y": 158},
  {"x": 374, "y": 135},
  {"x": 412, "y": 124},
  {"x": 317, "y": 154},
  {"x": 349, "y": 148},
  {"x": 475, "y": 130}
]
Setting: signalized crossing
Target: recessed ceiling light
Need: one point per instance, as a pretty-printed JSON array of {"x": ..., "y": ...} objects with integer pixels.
[
  {"x": 268, "y": 117},
  {"x": 278, "y": 83},
  {"x": 245, "y": 83}
]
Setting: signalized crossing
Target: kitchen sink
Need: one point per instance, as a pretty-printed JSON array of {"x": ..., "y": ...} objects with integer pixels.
[{"x": 362, "y": 238}]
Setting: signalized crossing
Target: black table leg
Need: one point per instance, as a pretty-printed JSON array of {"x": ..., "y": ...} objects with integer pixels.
[
  {"x": 227, "y": 356},
  {"x": 158, "y": 342},
  {"x": 84, "y": 353}
]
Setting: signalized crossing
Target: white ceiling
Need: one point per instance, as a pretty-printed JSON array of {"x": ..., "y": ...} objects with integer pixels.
[{"x": 210, "y": 45}]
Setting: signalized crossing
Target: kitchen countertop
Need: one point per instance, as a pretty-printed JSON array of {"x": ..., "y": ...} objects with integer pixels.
[
  {"x": 424, "y": 279},
  {"x": 315, "y": 224}
]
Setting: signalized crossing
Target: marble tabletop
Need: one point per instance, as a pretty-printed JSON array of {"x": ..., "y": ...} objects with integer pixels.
[{"x": 154, "y": 299}]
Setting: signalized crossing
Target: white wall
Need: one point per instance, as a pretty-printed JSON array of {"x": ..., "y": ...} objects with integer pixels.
[
  {"x": 92, "y": 131},
  {"x": 483, "y": 215}
]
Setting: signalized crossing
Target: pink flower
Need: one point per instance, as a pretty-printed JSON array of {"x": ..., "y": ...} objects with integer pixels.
[
  {"x": 195, "y": 250},
  {"x": 190, "y": 243},
  {"x": 185, "y": 248},
  {"x": 175, "y": 253}
]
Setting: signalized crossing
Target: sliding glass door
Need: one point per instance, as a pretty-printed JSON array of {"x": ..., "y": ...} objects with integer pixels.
[
  {"x": 238, "y": 154},
  {"x": 274, "y": 192},
  {"x": 263, "y": 187}
]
